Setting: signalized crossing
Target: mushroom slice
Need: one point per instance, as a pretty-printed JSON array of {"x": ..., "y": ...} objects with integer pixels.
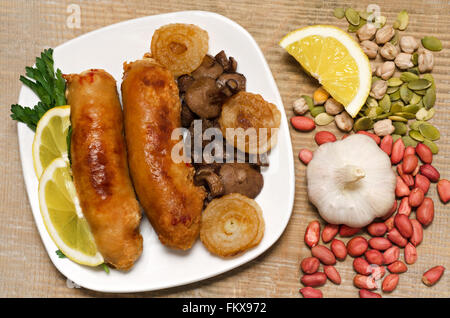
[
  {"x": 231, "y": 83},
  {"x": 187, "y": 116},
  {"x": 241, "y": 178},
  {"x": 228, "y": 64},
  {"x": 184, "y": 81},
  {"x": 204, "y": 98},
  {"x": 208, "y": 68},
  {"x": 207, "y": 175}
]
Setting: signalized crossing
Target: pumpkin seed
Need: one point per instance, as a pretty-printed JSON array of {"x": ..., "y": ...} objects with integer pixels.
[
  {"x": 414, "y": 70},
  {"x": 433, "y": 147},
  {"x": 419, "y": 84},
  {"x": 352, "y": 16},
  {"x": 309, "y": 101},
  {"x": 353, "y": 28},
  {"x": 397, "y": 107},
  {"x": 385, "y": 103},
  {"x": 398, "y": 118},
  {"x": 405, "y": 115},
  {"x": 429, "y": 131},
  {"x": 395, "y": 38},
  {"x": 317, "y": 110},
  {"x": 380, "y": 21},
  {"x": 363, "y": 123},
  {"x": 394, "y": 96},
  {"x": 431, "y": 43},
  {"x": 402, "y": 19},
  {"x": 430, "y": 78},
  {"x": 421, "y": 114},
  {"x": 400, "y": 128},
  {"x": 408, "y": 77},
  {"x": 392, "y": 89},
  {"x": 421, "y": 92},
  {"x": 412, "y": 109},
  {"x": 371, "y": 102},
  {"x": 383, "y": 116},
  {"x": 429, "y": 98},
  {"x": 409, "y": 142},
  {"x": 339, "y": 13},
  {"x": 394, "y": 81},
  {"x": 415, "y": 99},
  {"x": 416, "y": 135},
  {"x": 364, "y": 15},
  {"x": 395, "y": 137},
  {"x": 415, "y": 125},
  {"x": 405, "y": 93},
  {"x": 415, "y": 58},
  {"x": 430, "y": 114},
  {"x": 374, "y": 112},
  {"x": 375, "y": 78},
  {"x": 323, "y": 119}
]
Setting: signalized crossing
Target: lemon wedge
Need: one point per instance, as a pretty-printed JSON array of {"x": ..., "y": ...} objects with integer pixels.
[
  {"x": 63, "y": 217},
  {"x": 50, "y": 139},
  {"x": 336, "y": 60}
]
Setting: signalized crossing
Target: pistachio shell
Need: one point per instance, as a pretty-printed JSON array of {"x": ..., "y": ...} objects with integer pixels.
[
  {"x": 323, "y": 119},
  {"x": 408, "y": 77},
  {"x": 433, "y": 147},
  {"x": 419, "y": 84},
  {"x": 317, "y": 110},
  {"x": 339, "y": 13},
  {"x": 363, "y": 123},
  {"x": 409, "y": 142},
  {"x": 352, "y": 16},
  {"x": 400, "y": 128},
  {"x": 416, "y": 135},
  {"x": 429, "y": 98},
  {"x": 429, "y": 131},
  {"x": 431, "y": 43}
]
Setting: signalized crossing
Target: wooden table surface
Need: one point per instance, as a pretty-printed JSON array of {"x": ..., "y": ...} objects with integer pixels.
[{"x": 30, "y": 26}]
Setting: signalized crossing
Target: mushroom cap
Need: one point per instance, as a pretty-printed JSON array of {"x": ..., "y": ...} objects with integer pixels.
[
  {"x": 231, "y": 83},
  {"x": 203, "y": 97},
  {"x": 209, "y": 68},
  {"x": 241, "y": 178},
  {"x": 357, "y": 203}
]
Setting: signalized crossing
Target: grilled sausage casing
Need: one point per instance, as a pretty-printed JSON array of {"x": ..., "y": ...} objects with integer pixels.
[
  {"x": 99, "y": 167},
  {"x": 165, "y": 189}
]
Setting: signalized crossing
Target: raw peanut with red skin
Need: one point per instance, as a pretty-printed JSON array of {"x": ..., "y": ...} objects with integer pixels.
[
  {"x": 314, "y": 280},
  {"x": 416, "y": 197},
  {"x": 391, "y": 255},
  {"x": 309, "y": 292},
  {"x": 397, "y": 267},
  {"x": 425, "y": 212},
  {"x": 433, "y": 275},
  {"x": 386, "y": 144},
  {"x": 377, "y": 271},
  {"x": 310, "y": 265},
  {"x": 443, "y": 188},
  {"x": 391, "y": 211},
  {"x": 364, "y": 282},
  {"x": 417, "y": 236},
  {"x": 357, "y": 246},
  {"x": 323, "y": 137},
  {"x": 374, "y": 257},
  {"x": 395, "y": 237},
  {"x": 312, "y": 233},
  {"x": 416, "y": 171},
  {"x": 409, "y": 163},
  {"x": 323, "y": 254},
  {"x": 401, "y": 189},
  {"x": 361, "y": 266},
  {"x": 390, "y": 282},
  {"x": 424, "y": 153},
  {"x": 377, "y": 229},
  {"x": 373, "y": 136},
  {"x": 398, "y": 150},
  {"x": 403, "y": 225},
  {"x": 407, "y": 178},
  {"x": 339, "y": 249},
  {"x": 305, "y": 156},
  {"x": 380, "y": 243},
  {"x": 422, "y": 182},
  {"x": 430, "y": 172},
  {"x": 404, "y": 207},
  {"x": 389, "y": 223},
  {"x": 345, "y": 136},
  {"x": 410, "y": 254},
  {"x": 303, "y": 123},
  {"x": 332, "y": 274},
  {"x": 409, "y": 151},
  {"x": 364, "y": 293},
  {"x": 346, "y": 231},
  {"x": 329, "y": 232}
]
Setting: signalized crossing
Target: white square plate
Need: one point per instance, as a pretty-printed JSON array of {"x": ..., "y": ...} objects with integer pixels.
[{"x": 160, "y": 267}]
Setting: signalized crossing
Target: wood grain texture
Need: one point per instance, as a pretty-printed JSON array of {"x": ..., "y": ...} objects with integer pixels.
[{"x": 30, "y": 26}]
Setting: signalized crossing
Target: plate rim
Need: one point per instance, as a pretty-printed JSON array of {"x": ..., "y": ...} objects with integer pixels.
[{"x": 291, "y": 195}]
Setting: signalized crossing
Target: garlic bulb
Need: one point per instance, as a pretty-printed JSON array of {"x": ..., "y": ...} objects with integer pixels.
[{"x": 351, "y": 181}]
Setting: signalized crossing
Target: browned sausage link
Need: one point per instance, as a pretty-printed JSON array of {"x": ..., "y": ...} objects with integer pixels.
[
  {"x": 165, "y": 189},
  {"x": 99, "y": 167}
]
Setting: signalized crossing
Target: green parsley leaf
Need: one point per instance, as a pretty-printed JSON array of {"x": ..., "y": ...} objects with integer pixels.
[
  {"x": 60, "y": 254},
  {"x": 105, "y": 268}
]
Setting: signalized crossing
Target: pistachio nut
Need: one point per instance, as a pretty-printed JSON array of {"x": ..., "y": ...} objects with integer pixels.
[
  {"x": 378, "y": 89},
  {"x": 333, "y": 107},
  {"x": 389, "y": 51},
  {"x": 408, "y": 44},
  {"x": 384, "y": 34},
  {"x": 370, "y": 48},
  {"x": 344, "y": 121},
  {"x": 425, "y": 61},
  {"x": 403, "y": 61},
  {"x": 300, "y": 106},
  {"x": 383, "y": 127},
  {"x": 366, "y": 32}
]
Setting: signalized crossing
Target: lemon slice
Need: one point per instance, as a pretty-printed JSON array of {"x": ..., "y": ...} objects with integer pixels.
[
  {"x": 62, "y": 215},
  {"x": 50, "y": 139},
  {"x": 335, "y": 60}
]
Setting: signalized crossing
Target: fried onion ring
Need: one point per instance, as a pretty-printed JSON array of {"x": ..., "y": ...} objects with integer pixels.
[
  {"x": 180, "y": 47},
  {"x": 231, "y": 224}
]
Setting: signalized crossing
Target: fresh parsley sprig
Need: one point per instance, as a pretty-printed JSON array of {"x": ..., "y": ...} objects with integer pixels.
[{"x": 47, "y": 84}]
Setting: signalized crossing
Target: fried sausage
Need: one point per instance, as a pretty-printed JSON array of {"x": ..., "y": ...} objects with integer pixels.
[
  {"x": 100, "y": 169},
  {"x": 165, "y": 189}
]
